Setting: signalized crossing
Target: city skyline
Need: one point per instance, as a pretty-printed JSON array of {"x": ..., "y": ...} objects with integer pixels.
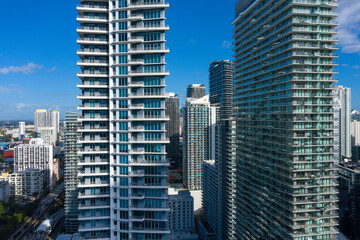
[{"x": 30, "y": 71}]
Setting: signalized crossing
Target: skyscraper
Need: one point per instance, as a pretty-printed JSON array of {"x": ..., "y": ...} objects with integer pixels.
[
  {"x": 195, "y": 91},
  {"x": 173, "y": 130},
  {"x": 198, "y": 139},
  {"x": 71, "y": 173},
  {"x": 283, "y": 85},
  {"x": 122, "y": 175},
  {"x": 220, "y": 86},
  {"x": 342, "y": 123},
  {"x": 42, "y": 118}
]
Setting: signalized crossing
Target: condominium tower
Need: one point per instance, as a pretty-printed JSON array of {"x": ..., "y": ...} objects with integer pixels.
[
  {"x": 173, "y": 130},
  {"x": 195, "y": 91},
  {"x": 199, "y": 139},
  {"x": 71, "y": 172},
  {"x": 283, "y": 83},
  {"x": 220, "y": 86},
  {"x": 342, "y": 123},
  {"x": 122, "y": 161}
]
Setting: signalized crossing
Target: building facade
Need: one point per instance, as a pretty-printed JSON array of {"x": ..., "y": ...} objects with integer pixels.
[
  {"x": 29, "y": 183},
  {"x": 43, "y": 118},
  {"x": 283, "y": 84},
  {"x": 4, "y": 191},
  {"x": 48, "y": 134},
  {"x": 173, "y": 130},
  {"x": 342, "y": 126},
  {"x": 35, "y": 155},
  {"x": 195, "y": 91},
  {"x": 181, "y": 217},
  {"x": 349, "y": 200},
  {"x": 220, "y": 86},
  {"x": 198, "y": 139},
  {"x": 355, "y": 133},
  {"x": 22, "y": 129},
  {"x": 71, "y": 138},
  {"x": 122, "y": 161},
  {"x": 210, "y": 198}
]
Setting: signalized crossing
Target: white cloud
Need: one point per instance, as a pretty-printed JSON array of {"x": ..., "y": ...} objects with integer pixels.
[
  {"x": 349, "y": 26},
  {"x": 26, "y": 69},
  {"x": 52, "y": 69},
  {"x": 20, "y": 106},
  {"x": 226, "y": 44},
  {"x": 9, "y": 90}
]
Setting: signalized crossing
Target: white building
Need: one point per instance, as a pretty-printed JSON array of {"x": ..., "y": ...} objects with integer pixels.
[
  {"x": 342, "y": 119},
  {"x": 181, "y": 217},
  {"x": 48, "y": 134},
  {"x": 122, "y": 162},
  {"x": 35, "y": 155},
  {"x": 22, "y": 129},
  {"x": 27, "y": 183},
  {"x": 46, "y": 124},
  {"x": 4, "y": 191},
  {"x": 355, "y": 133},
  {"x": 199, "y": 139}
]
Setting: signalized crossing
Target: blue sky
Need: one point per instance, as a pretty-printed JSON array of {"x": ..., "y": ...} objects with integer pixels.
[{"x": 38, "y": 50}]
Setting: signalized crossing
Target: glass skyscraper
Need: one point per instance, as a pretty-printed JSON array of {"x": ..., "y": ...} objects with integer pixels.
[
  {"x": 283, "y": 81},
  {"x": 71, "y": 179},
  {"x": 122, "y": 166}
]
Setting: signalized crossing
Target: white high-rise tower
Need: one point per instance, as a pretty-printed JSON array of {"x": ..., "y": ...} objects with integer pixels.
[{"x": 122, "y": 166}]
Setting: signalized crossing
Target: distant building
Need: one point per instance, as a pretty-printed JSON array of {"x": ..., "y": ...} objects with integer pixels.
[
  {"x": 71, "y": 173},
  {"x": 349, "y": 200},
  {"x": 220, "y": 86},
  {"x": 35, "y": 155},
  {"x": 48, "y": 134},
  {"x": 22, "y": 129},
  {"x": 47, "y": 124},
  {"x": 342, "y": 126},
  {"x": 355, "y": 115},
  {"x": 4, "y": 191},
  {"x": 355, "y": 133},
  {"x": 56, "y": 170},
  {"x": 195, "y": 91},
  {"x": 198, "y": 143},
  {"x": 28, "y": 183},
  {"x": 181, "y": 215},
  {"x": 173, "y": 130}
]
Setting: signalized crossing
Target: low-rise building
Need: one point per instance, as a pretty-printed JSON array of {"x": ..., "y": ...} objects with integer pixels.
[
  {"x": 181, "y": 217},
  {"x": 28, "y": 183}
]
